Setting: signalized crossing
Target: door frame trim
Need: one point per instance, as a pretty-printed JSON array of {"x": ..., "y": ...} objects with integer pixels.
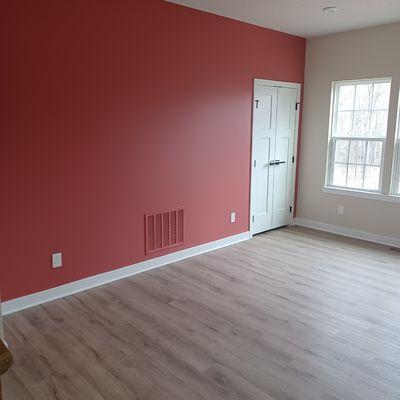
[{"x": 291, "y": 85}]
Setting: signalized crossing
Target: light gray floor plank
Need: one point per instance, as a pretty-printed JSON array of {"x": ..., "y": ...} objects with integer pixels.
[{"x": 293, "y": 314}]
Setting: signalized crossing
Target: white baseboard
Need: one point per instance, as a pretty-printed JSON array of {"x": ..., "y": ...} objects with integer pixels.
[
  {"x": 353, "y": 233},
  {"x": 35, "y": 299}
]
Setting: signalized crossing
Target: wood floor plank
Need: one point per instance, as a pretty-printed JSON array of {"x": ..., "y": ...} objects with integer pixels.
[{"x": 292, "y": 314}]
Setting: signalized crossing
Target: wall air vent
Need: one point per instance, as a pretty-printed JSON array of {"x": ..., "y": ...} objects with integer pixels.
[{"x": 164, "y": 230}]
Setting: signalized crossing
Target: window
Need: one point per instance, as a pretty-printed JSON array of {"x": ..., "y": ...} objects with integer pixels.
[{"x": 358, "y": 134}]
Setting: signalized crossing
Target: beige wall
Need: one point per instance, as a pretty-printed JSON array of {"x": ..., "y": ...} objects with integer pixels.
[{"x": 366, "y": 53}]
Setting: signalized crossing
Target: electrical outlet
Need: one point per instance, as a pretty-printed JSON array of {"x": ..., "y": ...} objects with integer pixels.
[
  {"x": 233, "y": 217},
  {"x": 56, "y": 260},
  {"x": 340, "y": 210}
]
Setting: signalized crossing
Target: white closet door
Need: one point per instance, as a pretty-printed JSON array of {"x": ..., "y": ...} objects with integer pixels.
[
  {"x": 284, "y": 146},
  {"x": 264, "y": 132},
  {"x": 274, "y": 130}
]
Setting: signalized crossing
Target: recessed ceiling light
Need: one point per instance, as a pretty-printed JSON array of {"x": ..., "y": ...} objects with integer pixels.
[{"x": 330, "y": 10}]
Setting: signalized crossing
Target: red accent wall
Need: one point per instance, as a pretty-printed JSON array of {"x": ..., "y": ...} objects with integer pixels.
[{"x": 111, "y": 109}]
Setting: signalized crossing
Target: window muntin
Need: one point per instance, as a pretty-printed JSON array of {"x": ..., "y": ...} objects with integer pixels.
[{"x": 358, "y": 135}]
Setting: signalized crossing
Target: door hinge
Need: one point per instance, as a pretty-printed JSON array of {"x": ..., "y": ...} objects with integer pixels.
[
  {"x": 297, "y": 106},
  {"x": 252, "y": 219},
  {"x": 255, "y": 163},
  {"x": 293, "y": 159},
  {"x": 290, "y": 209},
  {"x": 257, "y": 102}
]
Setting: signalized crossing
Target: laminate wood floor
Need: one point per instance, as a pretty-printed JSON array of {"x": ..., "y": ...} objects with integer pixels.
[{"x": 293, "y": 314}]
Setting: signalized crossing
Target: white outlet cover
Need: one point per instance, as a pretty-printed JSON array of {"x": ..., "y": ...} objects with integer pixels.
[
  {"x": 233, "y": 217},
  {"x": 56, "y": 260},
  {"x": 340, "y": 210}
]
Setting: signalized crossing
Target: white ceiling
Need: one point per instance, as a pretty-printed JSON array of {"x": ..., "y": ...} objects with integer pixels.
[{"x": 303, "y": 17}]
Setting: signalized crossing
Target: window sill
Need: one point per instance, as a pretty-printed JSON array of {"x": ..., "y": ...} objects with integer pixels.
[{"x": 362, "y": 194}]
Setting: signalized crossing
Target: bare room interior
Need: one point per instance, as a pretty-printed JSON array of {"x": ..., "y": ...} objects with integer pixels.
[{"x": 200, "y": 200}]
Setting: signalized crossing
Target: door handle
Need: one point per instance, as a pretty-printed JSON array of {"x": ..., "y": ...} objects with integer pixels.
[{"x": 276, "y": 162}]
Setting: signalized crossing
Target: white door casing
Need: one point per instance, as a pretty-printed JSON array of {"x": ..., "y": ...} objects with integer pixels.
[{"x": 274, "y": 150}]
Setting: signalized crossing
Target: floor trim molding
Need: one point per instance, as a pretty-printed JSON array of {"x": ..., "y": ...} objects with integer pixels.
[
  {"x": 58, "y": 292},
  {"x": 353, "y": 233}
]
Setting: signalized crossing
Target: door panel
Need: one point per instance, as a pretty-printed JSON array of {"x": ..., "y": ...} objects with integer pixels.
[
  {"x": 281, "y": 174},
  {"x": 282, "y": 184},
  {"x": 262, "y": 179}
]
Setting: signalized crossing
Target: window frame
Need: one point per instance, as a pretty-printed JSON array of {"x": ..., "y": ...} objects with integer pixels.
[
  {"x": 395, "y": 178},
  {"x": 329, "y": 187}
]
